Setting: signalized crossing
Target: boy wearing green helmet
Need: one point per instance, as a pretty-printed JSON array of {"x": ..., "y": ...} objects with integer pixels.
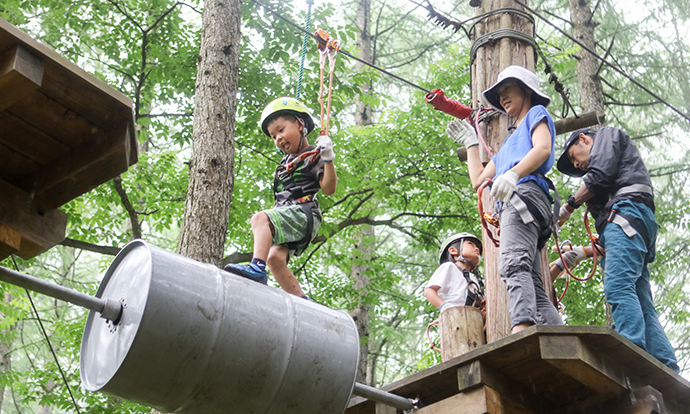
[
  {"x": 288, "y": 227},
  {"x": 456, "y": 282}
]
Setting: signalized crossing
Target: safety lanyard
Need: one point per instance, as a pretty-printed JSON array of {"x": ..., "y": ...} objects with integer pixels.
[{"x": 328, "y": 47}]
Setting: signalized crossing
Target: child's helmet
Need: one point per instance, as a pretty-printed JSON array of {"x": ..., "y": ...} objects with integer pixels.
[
  {"x": 522, "y": 75},
  {"x": 282, "y": 106},
  {"x": 455, "y": 238}
]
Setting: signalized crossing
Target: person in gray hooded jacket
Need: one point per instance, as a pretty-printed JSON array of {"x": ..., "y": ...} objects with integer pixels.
[{"x": 628, "y": 229}]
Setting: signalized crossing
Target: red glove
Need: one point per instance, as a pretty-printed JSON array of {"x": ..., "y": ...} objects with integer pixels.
[{"x": 441, "y": 102}]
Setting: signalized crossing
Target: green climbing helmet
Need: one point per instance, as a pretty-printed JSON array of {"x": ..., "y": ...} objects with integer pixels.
[
  {"x": 285, "y": 105},
  {"x": 457, "y": 237}
]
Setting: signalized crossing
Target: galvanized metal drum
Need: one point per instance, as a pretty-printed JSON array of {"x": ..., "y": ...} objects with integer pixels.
[{"x": 195, "y": 339}]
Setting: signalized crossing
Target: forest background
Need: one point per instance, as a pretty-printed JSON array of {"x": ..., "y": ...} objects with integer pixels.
[{"x": 401, "y": 187}]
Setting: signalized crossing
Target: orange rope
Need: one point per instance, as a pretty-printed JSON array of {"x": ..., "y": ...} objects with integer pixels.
[{"x": 480, "y": 207}]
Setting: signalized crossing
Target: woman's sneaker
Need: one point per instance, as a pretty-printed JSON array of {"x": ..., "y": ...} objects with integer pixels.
[{"x": 248, "y": 271}]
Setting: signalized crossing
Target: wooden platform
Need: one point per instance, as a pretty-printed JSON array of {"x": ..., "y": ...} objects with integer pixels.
[
  {"x": 545, "y": 369},
  {"x": 62, "y": 133}
]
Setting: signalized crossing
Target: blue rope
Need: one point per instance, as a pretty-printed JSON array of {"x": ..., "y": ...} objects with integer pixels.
[{"x": 304, "y": 50}]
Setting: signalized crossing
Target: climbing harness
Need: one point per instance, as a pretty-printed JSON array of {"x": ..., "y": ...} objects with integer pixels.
[{"x": 328, "y": 47}]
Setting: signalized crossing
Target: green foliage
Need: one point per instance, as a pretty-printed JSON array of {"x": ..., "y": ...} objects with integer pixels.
[{"x": 400, "y": 175}]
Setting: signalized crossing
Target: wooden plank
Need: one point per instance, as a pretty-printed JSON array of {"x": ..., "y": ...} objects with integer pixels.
[
  {"x": 21, "y": 73},
  {"x": 15, "y": 167},
  {"x": 461, "y": 329},
  {"x": 91, "y": 164},
  {"x": 585, "y": 120},
  {"x": 386, "y": 409},
  {"x": 514, "y": 395},
  {"x": 28, "y": 141},
  {"x": 40, "y": 229},
  {"x": 10, "y": 241},
  {"x": 54, "y": 119},
  {"x": 481, "y": 400},
  {"x": 576, "y": 359},
  {"x": 646, "y": 400}
]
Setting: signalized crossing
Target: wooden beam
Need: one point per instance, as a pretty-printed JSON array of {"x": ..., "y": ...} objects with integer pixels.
[
  {"x": 515, "y": 397},
  {"x": 91, "y": 164},
  {"x": 583, "y": 121},
  {"x": 40, "y": 229},
  {"x": 576, "y": 359},
  {"x": 21, "y": 73},
  {"x": 386, "y": 409},
  {"x": 461, "y": 329},
  {"x": 10, "y": 241},
  {"x": 480, "y": 400},
  {"x": 644, "y": 400}
]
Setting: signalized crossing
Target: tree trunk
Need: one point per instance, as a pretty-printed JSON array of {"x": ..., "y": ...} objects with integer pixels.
[
  {"x": 591, "y": 93},
  {"x": 211, "y": 168},
  {"x": 490, "y": 60},
  {"x": 364, "y": 235}
]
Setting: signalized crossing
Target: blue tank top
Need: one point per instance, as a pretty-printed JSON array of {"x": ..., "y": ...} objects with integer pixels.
[{"x": 519, "y": 143}]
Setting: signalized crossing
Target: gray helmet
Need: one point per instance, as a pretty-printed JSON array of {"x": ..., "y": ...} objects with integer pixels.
[{"x": 457, "y": 237}]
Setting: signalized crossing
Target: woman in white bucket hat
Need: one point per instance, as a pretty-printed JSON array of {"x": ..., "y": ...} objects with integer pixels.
[{"x": 520, "y": 189}]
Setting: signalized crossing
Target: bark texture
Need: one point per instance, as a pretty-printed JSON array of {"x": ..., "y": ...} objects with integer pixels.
[
  {"x": 362, "y": 250},
  {"x": 211, "y": 168},
  {"x": 591, "y": 93},
  {"x": 489, "y": 61}
]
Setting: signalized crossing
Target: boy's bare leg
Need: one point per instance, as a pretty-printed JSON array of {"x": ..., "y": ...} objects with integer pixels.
[
  {"x": 263, "y": 235},
  {"x": 277, "y": 262}
]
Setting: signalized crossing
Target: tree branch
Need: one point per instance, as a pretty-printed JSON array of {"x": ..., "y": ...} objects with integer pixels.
[
  {"x": 166, "y": 115},
  {"x": 78, "y": 244},
  {"x": 133, "y": 215}
]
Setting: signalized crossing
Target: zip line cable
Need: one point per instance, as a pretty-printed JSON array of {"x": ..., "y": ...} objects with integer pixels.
[
  {"x": 45, "y": 334},
  {"x": 638, "y": 84},
  {"x": 340, "y": 51}
]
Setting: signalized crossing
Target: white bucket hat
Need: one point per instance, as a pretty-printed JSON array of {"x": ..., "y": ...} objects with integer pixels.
[{"x": 516, "y": 73}]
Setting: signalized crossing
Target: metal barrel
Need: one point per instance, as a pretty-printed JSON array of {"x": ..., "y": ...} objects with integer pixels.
[{"x": 194, "y": 339}]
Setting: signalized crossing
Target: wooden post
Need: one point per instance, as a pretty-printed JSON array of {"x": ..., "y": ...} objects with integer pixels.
[
  {"x": 490, "y": 59},
  {"x": 461, "y": 329}
]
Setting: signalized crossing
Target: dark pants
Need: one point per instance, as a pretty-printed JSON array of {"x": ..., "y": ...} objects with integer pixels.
[{"x": 520, "y": 261}]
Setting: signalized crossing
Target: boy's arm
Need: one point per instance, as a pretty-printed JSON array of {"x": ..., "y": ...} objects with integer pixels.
[
  {"x": 329, "y": 179},
  {"x": 431, "y": 294}
]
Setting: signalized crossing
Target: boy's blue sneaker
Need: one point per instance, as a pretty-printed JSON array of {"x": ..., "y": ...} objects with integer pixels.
[{"x": 248, "y": 271}]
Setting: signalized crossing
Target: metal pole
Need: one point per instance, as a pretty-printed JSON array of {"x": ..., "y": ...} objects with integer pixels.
[
  {"x": 108, "y": 309},
  {"x": 384, "y": 397}
]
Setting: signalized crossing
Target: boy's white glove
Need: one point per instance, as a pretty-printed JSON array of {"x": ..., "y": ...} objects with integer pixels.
[
  {"x": 572, "y": 258},
  {"x": 325, "y": 144},
  {"x": 563, "y": 215},
  {"x": 462, "y": 133},
  {"x": 504, "y": 186}
]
